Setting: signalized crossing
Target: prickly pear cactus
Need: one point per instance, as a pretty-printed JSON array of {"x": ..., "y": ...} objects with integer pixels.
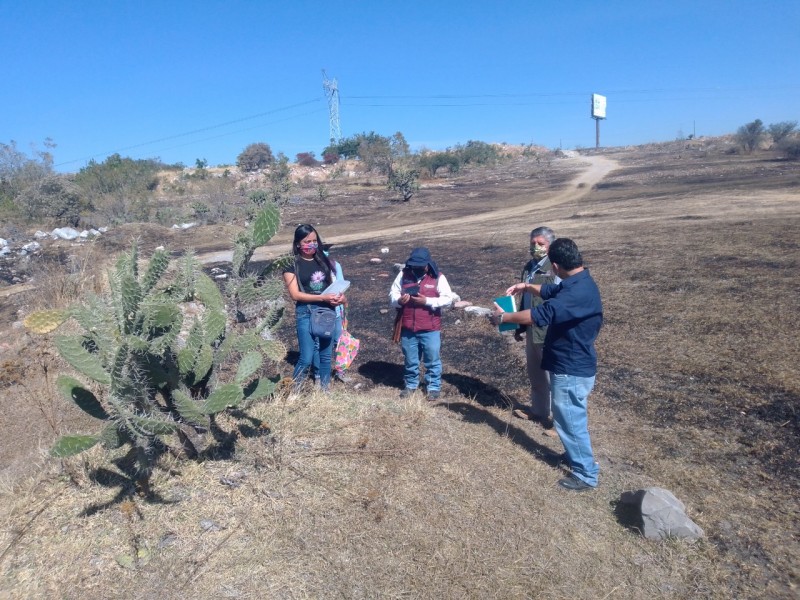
[{"x": 159, "y": 366}]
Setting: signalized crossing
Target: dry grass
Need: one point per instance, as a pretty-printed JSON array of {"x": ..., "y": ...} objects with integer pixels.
[
  {"x": 341, "y": 496},
  {"x": 358, "y": 495}
]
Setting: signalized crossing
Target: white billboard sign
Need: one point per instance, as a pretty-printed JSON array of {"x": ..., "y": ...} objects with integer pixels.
[{"x": 598, "y": 106}]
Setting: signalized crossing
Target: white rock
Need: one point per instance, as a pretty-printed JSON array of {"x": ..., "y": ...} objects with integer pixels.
[
  {"x": 375, "y": 261},
  {"x": 159, "y": 247},
  {"x": 384, "y": 251},
  {"x": 478, "y": 311},
  {"x": 39, "y": 235},
  {"x": 5, "y": 250},
  {"x": 32, "y": 247},
  {"x": 84, "y": 234},
  {"x": 102, "y": 229},
  {"x": 94, "y": 232},
  {"x": 184, "y": 226},
  {"x": 64, "y": 233},
  {"x": 4, "y": 243}
]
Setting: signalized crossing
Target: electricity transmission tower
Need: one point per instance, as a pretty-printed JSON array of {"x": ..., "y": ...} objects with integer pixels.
[{"x": 331, "y": 87}]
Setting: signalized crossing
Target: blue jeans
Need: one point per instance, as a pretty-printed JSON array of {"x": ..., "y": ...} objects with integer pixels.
[
  {"x": 569, "y": 397},
  {"x": 337, "y": 331},
  {"x": 307, "y": 344},
  {"x": 424, "y": 344}
]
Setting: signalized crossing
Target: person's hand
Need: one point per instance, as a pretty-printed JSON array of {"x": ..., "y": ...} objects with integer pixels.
[
  {"x": 517, "y": 288},
  {"x": 404, "y": 299},
  {"x": 418, "y": 300},
  {"x": 497, "y": 316},
  {"x": 518, "y": 335},
  {"x": 333, "y": 299}
]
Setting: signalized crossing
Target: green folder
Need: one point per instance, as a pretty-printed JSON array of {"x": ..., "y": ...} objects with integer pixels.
[{"x": 507, "y": 304}]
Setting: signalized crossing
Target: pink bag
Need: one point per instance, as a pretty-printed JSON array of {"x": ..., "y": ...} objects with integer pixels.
[{"x": 346, "y": 349}]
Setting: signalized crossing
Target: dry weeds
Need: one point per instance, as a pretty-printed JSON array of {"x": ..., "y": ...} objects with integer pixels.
[{"x": 358, "y": 495}]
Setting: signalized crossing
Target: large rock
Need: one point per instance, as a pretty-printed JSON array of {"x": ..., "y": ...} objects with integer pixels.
[
  {"x": 65, "y": 233},
  {"x": 658, "y": 514}
]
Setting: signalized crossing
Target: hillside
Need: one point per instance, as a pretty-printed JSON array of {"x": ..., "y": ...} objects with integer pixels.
[{"x": 359, "y": 494}]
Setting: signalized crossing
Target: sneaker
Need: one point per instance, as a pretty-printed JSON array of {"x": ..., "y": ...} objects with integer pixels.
[
  {"x": 433, "y": 394},
  {"x": 406, "y": 392},
  {"x": 574, "y": 484}
]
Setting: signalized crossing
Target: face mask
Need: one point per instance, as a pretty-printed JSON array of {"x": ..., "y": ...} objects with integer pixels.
[
  {"x": 538, "y": 252},
  {"x": 309, "y": 248}
]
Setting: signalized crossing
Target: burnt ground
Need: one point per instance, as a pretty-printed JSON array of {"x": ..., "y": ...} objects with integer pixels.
[{"x": 696, "y": 254}]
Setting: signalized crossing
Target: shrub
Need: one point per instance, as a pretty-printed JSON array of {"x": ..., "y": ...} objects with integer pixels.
[
  {"x": 255, "y": 157},
  {"x": 121, "y": 189},
  {"x": 54, "y": 197},
  {"x": 749, "y": 136},
  {"x": 307, "y": 159},
  {"x": 404, "y": 181},
  {"x": 780, "y": 131},
  {"x": 433, "y": 161},
  {"x": 330, "y": 157},
  {"x": 479, "y": 153},
  {"x": 791, "y": 147}
]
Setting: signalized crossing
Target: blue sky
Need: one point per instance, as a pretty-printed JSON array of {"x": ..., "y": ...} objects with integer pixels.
[{"x": 187, "y": 80}]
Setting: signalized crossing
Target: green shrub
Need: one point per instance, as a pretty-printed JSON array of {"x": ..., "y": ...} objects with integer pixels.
[{"x": 254, "y": 157}]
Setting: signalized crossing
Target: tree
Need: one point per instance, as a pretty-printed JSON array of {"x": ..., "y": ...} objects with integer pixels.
[
  {"x": 54, "y": 197},
  {"x": 307, "y": 159},
  {"x": 254, "y": 157},
  {"x": 376, "y": 153},
  {"x": 280, "y": 180},
  {"x": 749, "y": 136},
  {"x": 782, "y": 130},
  {"x": 405, "y": 181},
  {"x": 18, "y": 171},
  {"x": 120, "y": 188},
  {"x": 432, "y": 161},
  {"x": 399, "y": 146}
]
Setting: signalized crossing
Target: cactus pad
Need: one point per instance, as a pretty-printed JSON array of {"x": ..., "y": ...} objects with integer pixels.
[
  {"x": 45, "y": 321},
  {"x": 70, "y": 445},
  {"x": 73, "y": 389}
]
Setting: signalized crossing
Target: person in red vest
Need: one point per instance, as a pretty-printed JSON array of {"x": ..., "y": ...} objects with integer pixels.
[{"x": 420, "y": 292}]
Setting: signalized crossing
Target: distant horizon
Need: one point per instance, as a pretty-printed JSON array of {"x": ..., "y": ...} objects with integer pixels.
[{"x": 184, "y": 81}]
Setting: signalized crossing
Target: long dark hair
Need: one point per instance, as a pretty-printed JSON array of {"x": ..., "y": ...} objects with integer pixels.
[{"x": 303, "y": 231}]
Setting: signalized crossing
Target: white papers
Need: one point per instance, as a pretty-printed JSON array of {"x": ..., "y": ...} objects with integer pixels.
[{"x": 337, "y": 287}]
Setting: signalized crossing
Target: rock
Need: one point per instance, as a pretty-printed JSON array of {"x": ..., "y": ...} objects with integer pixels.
[
  {"x": 462, "y": 304},
  {"x": 32, "y": 247},
  {"x": 478, "y": 311},
  {"x": 184, "y": 226},
  {"x": 375, "y": 261},
  {"x": 95, "y": 232},
  {"x": 383, "y": 311},
  {"x": 102, "y": 229},
  {"x": 5, "y": 250},
  {"x": 38, "y": 235},
  {"x": 4, "y": 243},
  {"x": 384, "y": 251},
  {"x": 64, "y": 233},
  {"x": 658, "y": 514},
  {"x": 84, "y": 234}
]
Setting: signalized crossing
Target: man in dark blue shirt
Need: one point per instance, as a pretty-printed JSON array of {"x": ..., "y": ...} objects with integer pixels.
[{"x": 573, "y": 313}]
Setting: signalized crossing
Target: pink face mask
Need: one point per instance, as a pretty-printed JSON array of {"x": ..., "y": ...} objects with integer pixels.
[{"x": 310, "y": 247}]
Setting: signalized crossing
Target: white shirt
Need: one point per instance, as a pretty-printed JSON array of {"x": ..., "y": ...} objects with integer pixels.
[{"x": 446, "y": 295}]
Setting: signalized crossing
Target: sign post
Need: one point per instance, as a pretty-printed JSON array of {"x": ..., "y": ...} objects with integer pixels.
[{"x": 598, "y": 113}]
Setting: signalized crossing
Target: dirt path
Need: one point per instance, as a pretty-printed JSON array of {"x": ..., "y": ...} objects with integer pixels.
[{"x": 598, "y": 168}]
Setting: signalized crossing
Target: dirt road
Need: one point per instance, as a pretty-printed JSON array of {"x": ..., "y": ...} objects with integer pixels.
[{"x": 597, "y": 168}]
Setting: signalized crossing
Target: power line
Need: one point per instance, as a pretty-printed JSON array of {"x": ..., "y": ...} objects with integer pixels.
[{"x": 196, "y": 131}]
